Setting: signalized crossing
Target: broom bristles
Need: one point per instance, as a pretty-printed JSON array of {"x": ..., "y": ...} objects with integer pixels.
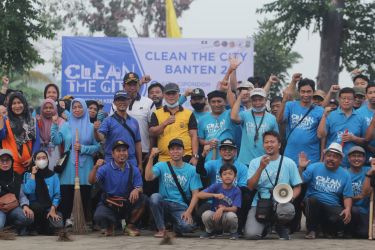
[{"x": 79, "y": 223}]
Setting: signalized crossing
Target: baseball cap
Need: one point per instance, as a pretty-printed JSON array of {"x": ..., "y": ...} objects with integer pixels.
[
  {"x": 356, "y": 149},
  {"x": 335, "y": 148},
  {"x": 227, "y": 143},
  {"x": 245, "y": 84},
  {"x": 258, "y": 91},
  {"x": 171, "y": 87},
  {"x": 217, "y": 93},
  {"x": 119, "y": 144},
  {"x": 175, "y": 142},
  {"x": 359, "y": 91},
  {"x": 131, "y": 77},
  {"x": 121, "y": 95},
  {"x": 320, "y": 93},
  {"x": 197, "y": 93},
  {"x": 285, "y": 212},
  {"x": 6, "y": 152}
]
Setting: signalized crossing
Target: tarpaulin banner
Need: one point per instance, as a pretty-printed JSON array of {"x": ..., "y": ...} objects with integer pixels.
[{"x": 94, "y": 67}]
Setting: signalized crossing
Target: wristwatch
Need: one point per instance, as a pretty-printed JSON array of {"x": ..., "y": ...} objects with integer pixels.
[{"x": 196, "y": 156}]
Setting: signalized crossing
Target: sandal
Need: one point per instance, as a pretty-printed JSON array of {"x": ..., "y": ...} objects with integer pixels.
[
  {"x": 160, "y": 234},
  {"x": 310, "y": 235},
  {"x": 132, "y": 231}
]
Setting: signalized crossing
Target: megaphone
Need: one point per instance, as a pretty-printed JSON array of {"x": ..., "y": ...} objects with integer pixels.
[{"x": 282, "y": 193}]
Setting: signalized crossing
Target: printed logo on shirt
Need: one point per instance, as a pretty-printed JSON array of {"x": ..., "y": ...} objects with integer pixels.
[
  {"x": 357, "y": 188},
  {"x": 306, "y": 124},
  {"x": 170, "y": 183},
  {"x": 213, "y": 129},
  {"x": 326, "y": 184},
  {"x": 339, "y": 135},
  {"x": 250, "y": 128},
  {"x": 368, "y": 120}
]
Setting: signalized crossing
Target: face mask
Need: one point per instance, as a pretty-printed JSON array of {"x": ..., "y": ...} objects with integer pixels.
[
  {"x": 175, "y": 105},
  {"x": 198, "y": 106},
  {"x": 259, "y": 110},
  {"x": 41, "y": 164}
]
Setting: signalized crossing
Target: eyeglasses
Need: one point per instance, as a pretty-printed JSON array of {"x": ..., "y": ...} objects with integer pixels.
[
  {"x": 346, "y": 98},
  {"x": 5, "y": 160}
]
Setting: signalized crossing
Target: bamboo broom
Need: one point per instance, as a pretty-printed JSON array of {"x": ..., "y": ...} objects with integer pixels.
[
  {"x": 79, "y": 225},
  {"x": 371, "y": 217}
]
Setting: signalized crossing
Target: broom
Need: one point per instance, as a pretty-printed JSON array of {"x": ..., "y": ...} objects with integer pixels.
[
  {"x": 79, "y": 226},
  {"x": 371, "y": 217}
]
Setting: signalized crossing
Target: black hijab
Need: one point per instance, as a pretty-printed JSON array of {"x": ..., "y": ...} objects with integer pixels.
[
  {"x": 89, "y": 103},
  {"x": 41, "y": 189},
  {"x": 10, "y": 182}
]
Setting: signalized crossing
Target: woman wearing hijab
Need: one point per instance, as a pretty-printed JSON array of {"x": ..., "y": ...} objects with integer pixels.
[
  {"x": 93, "y": 108},
  {"x": 10, "y": 184},
  {"x": 47, "y": 110},
  {"x": 87, "y": 146},
  {"x": 42, "y": 187},
  {"x": 19, "y": 132}
]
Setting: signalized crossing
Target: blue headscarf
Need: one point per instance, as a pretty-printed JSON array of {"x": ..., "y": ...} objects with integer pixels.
[{"x": 85, "y": 135}]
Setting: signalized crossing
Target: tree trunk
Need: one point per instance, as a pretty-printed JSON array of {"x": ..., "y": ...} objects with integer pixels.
[{"x": 331, "y": 38}]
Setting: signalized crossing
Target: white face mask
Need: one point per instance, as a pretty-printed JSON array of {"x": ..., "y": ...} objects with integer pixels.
[
  {"x": 259, "y": 110},
  {"x": 41, "y": 164}
]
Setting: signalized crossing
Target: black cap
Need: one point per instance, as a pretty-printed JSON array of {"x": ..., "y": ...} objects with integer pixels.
[
  {"x": 119, "y": 144},
  {"x": 217, "y": 93},
  {"x": 197, "y": 93},
  {"x": 131, "y": 77},
  {"x": 121, "y": 95},
  {"x": 171, "y": 87},
  {"x": 175, "y": 142},
  {"x": 227, "y": 143}
]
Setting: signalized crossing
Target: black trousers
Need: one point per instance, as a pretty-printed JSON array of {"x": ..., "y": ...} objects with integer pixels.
[
  {"x": 247, "y": 199},
  {"x": 67, "y": 197},
  {"x": 41, "y": 224},
  {"x": 328, "y": 217}
]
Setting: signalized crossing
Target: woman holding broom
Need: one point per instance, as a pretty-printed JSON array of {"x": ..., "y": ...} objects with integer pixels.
[{"x": 84, "y": 146}]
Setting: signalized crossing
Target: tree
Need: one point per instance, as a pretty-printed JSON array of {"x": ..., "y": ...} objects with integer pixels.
[
  {"x": 271, "y": 56},
  {"x": 112, "y": 16},
  {"x": 21, "y": 23},
  {"x": 346, "y": 29}
]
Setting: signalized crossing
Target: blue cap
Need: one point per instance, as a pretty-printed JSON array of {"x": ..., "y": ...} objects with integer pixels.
[{"x": 121, "y": 94}]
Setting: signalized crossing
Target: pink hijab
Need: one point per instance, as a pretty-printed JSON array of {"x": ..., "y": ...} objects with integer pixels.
[{"x": 46, "y": 124}]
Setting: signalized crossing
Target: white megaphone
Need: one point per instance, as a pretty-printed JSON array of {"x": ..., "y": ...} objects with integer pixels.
[{"x": 282, "y": 193}]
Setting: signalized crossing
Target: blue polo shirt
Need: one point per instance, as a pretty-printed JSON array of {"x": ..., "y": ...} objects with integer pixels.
[
  {"x": 213, "y": 172},
  {"x": 327, "y": 186},
  {"x": 336, "y": 125},
  {"x": 114, "y": 181},
  {"x": 220, "y": 128},
  {"x": 114, "y": 131}
]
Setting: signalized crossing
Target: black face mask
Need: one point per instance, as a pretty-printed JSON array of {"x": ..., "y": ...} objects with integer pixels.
[{"x": 198, "y": 106}]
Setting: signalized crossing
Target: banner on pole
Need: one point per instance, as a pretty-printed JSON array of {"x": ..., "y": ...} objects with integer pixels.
[{"x": 93, "y": 67}]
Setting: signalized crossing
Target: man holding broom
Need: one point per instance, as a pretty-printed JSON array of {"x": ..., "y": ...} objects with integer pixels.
[{"x": 122, "y": 197}]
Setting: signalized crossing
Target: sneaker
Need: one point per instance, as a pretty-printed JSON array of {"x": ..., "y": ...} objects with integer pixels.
[
  {"x": 68, "y": 223},
  {"x": 233, "y": 236},
  {"x": 207, "y": 235}
]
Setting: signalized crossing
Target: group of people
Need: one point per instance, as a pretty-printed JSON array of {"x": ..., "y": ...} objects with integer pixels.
[{"x": 152, "y": 162}]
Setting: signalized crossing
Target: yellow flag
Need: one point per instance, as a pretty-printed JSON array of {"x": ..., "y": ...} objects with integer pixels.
[{"x": 173, "y": 30}]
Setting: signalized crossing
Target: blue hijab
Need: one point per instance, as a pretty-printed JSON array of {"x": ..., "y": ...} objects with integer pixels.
[{"x": 85, "y": 135}]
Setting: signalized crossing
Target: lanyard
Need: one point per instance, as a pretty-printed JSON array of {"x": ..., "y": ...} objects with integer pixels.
[{"x": 256, "y": 136}]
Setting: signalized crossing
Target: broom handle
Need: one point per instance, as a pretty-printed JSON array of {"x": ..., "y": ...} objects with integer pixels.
[
  {"x": 371, "y": 216},
  {"x": 214, "y": 153},
  {"x": 343, "y": 143},
  {"x": 77, "y": 153}
]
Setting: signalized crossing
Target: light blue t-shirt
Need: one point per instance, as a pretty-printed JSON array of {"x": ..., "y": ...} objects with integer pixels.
[
  {"x": 358, "y": 180},
  {"x": 220, "y": 128},
  {"x": 199, "y": 115},
  {"x": 337, "y": 123},
  {"x": 288, "y": 175},
  {"x": 213, "y": 172},
  {"x": 329, "y": 187},
  {"x": 367, "y": 114},
  {"x": 304, "y": 137},
  {"x": 187, "y": 177},
  {"x": 250, "y": 148}
]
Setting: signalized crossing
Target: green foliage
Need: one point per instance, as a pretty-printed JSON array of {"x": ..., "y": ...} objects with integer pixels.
[
  {"x": 271, "y": 55},
  {"x": 358, "y": 35},
  {"x": 113, "y": 16},
  {"x": 21, "y": 23}
]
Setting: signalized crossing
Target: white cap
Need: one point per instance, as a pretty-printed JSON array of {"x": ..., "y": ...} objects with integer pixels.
[
  {"x": 335, "y": 148},
  {"x": 258, "y": 91},
  {"x": 245, "y": 84}
]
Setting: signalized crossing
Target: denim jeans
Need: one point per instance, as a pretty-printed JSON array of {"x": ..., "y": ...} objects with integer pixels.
[
  {"x": 15, "y": 217},
  {"x": 162, "y": 209}
]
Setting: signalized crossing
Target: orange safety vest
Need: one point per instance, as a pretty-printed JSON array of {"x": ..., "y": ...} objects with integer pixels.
[{"x": 10, "y": 143}]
